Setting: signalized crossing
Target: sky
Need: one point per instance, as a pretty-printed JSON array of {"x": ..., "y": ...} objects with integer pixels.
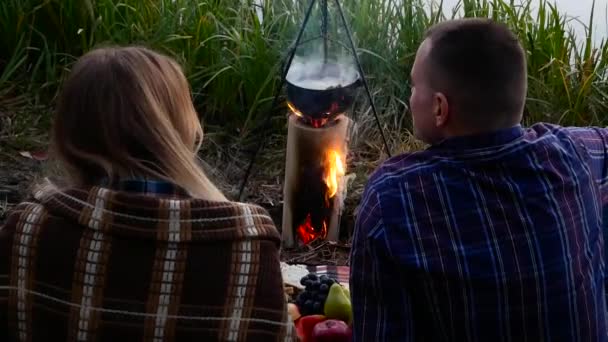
[{"x": 580, "y": 9}]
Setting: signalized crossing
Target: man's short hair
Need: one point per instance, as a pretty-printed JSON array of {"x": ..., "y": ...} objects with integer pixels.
[{"x": 481, "y": 68}]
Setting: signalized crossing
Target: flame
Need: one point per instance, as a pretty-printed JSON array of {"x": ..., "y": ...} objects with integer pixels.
[
  {"x": 314, "y": 122},
  {"x": 334, "y": 169},
  {"x": 308, "y": 233},
  {"x": 294, "y": 110}
]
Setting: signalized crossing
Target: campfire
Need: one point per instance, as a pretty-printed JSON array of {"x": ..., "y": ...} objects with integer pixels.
[
  {"x": 317, "y": 145},
  {"x": 333, "y": 170},
  {"x": 321, "y": 89}
]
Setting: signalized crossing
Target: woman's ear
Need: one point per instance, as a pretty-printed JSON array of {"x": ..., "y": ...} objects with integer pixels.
[{"x": 441, "y": 109}]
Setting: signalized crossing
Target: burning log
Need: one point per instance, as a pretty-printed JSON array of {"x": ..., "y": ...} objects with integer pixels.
[{"x": 314, "y": 179}]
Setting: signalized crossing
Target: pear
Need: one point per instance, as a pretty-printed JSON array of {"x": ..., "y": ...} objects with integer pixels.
[{"x": 337, "y": 304}]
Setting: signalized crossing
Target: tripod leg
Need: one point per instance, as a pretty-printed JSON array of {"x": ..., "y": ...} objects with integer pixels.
[
  {"x": 324, "y": 30},
  {"x": 275, "y": 101},
  {"x": 365, "y": 85}
]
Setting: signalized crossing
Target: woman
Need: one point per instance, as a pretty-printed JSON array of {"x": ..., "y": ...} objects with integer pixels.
[{"x": 141, "y": 246}]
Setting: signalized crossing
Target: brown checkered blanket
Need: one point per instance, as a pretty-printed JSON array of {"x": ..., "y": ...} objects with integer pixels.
[{"x": 103, "y": 265}]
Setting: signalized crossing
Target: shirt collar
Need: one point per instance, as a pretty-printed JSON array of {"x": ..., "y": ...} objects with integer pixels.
[
  {"x": 147, "y": 187},
  {"x": 485, "y": 140}
]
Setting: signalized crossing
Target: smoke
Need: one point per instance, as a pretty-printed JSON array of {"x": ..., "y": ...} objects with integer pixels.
[{"x": 311, "y": 72}]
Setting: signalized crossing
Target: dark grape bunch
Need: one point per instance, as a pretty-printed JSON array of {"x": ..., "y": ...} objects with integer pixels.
[{"x": 311, "y": 301}]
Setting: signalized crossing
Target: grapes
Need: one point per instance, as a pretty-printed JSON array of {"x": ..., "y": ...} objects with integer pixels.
[{"x": 311, "y": 301}]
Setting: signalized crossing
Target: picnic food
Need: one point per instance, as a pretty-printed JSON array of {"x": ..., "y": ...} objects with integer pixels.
[
  {"x": 322, "y": 306},
  {"x": 311, "y": 301},
  {"x": 305, "y": 326},
  {"x": 338, "y": 304},
  {"x": 331, "y": 330},
  {"x": 294, "y": 312}
]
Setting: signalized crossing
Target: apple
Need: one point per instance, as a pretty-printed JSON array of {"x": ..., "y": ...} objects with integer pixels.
[
  {"x": 331, "y": 330},
  {"x": 305, "y": 326}
]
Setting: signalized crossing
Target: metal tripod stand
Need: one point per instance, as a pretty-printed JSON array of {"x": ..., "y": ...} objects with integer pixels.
[{"x": 290, "y": 57}]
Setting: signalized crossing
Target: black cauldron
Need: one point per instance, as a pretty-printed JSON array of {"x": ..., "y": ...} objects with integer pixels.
[{"x": 323, "y": 104}]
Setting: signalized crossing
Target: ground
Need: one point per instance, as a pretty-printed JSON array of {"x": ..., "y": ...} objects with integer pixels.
[
  {"x": 16, "y": 175},
  {"x": 18, "y": 171},
  {"x": 225, "y": 159}
]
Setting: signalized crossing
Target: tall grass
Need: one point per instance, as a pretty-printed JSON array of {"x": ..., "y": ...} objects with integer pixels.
[{"x": 233, "y": 58}]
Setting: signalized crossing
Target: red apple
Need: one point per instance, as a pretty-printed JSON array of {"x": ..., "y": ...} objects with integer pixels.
[
  {"x": 331, "y": 330},
  {"x": 305, "y": 326}
]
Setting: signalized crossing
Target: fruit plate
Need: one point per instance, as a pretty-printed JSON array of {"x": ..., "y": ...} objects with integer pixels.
[
  {"x": 292, "y": 275},
  {"x": 322, "y": 311}
]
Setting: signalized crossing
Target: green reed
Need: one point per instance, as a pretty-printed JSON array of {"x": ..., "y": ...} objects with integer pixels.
[{"x": 233, "y": 58}]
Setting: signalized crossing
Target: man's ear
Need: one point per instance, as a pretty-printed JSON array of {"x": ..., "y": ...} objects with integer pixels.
[{"x": 441, "y": 109}]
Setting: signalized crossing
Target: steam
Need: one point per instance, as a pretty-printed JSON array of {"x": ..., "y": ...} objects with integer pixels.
[{"x": 312, "y": 73}]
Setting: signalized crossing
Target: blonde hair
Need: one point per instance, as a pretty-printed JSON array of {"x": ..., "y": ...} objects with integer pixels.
[{"x": 128, "y": 112}]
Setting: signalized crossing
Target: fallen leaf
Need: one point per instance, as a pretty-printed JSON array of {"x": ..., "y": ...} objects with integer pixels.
[{"x": 36, "y": 155}]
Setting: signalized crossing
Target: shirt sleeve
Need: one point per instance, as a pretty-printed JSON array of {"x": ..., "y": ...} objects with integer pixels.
[
  {"x": 595, "y": 142},
  {"x": 382, "y": 309}
]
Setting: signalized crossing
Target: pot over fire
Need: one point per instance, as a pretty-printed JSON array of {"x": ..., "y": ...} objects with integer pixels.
[{"x": 321, "y": 92}]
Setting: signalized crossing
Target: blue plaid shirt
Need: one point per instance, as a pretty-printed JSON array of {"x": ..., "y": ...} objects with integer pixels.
[{"x": 485, "y": 238}]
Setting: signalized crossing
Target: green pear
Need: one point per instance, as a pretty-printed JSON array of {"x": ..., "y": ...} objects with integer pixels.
[
  {"x": 337, "y": 304},
  {"x": 346, "y": 292}
]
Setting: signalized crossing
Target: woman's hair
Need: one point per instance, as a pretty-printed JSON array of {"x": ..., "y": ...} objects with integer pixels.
[{"x": 127, "y": 112}]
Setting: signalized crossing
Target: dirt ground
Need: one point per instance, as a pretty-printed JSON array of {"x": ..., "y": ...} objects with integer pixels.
[
  {"x": 16, "y": 176},
  {"x": 18, "y": 173}
]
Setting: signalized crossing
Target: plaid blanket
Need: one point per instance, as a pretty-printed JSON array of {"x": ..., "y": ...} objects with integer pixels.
[{"x": 104, "y": 265}]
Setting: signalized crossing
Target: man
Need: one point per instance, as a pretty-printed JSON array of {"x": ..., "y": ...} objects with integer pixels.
[{"x": 493, "y": 232}]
